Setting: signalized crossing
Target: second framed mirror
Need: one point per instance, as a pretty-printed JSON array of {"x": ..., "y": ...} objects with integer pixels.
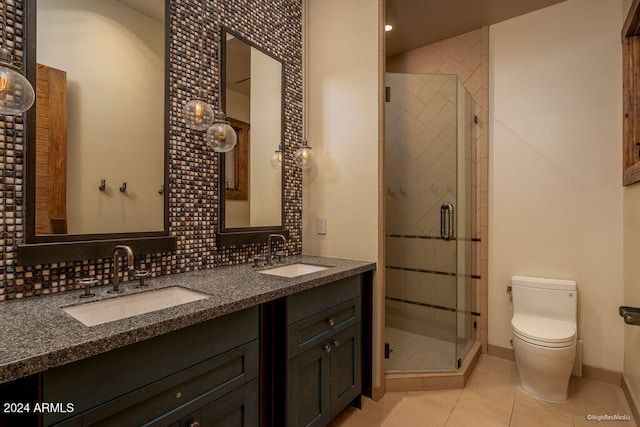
[{"x": 251, "y": 174}]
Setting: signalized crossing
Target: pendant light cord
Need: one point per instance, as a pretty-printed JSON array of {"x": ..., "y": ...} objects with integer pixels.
[
  {"x": 4, "y": 24},
  {"x": 305, "y": 81},
  {"x": 202, "y": 33}
]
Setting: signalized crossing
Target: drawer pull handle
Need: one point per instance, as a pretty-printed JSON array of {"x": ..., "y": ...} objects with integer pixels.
[
  {"x": 178, "y": 395},
  {"x": 194, "y": 424},
  {"x": 336, "y": 343},
  {"x": 331, "y": 322},
  {"x": 327, "y": 348}
]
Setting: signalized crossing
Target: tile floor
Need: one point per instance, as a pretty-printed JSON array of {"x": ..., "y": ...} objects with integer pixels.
[
  {"x": 413, "y": 352},
  {"x": 491, "y": 398}
]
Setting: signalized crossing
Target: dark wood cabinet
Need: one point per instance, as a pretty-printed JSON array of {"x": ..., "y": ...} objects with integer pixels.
[
  {"x": 208, "y": 371},
  {"x": 324, "y": 352},
  {"x": 234, "y": 409},
  {"x": 308, "y": 388},
  {"x": 344, "y": 368},
  {"x": 324, "y": 379}
]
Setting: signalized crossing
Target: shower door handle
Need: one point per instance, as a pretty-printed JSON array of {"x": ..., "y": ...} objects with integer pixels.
[{"x": 446, "y": 221}]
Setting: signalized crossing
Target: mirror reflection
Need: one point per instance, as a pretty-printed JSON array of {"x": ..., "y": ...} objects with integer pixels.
[
  {"x": 253, "y": 104},
  {"x": 100, "y": 116}
]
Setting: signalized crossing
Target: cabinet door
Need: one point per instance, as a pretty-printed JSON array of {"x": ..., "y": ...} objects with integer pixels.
[
  {"x": 346, "y": 375},
  {"x": 192, "y": 420},
  {"x": 240, "y": 408},
  {"x": 308, "y": 388}
]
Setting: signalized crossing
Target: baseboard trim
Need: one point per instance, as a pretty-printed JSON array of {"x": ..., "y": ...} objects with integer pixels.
[
  {"x": 377, "y": 392},
  {"x": 630, "y": 400},
  {"x": 504, "y": 353},
  {"x": 588, "y": 372},
  {"x": 601, "y": 374}
]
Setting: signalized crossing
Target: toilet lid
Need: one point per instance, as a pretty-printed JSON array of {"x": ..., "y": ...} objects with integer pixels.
[{"x": 544, "y": 330}]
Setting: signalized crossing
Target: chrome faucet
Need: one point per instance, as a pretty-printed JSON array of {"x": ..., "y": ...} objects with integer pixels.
[
  {"x": 270, "y": 240},
  {"x": 116, "y": 268}
]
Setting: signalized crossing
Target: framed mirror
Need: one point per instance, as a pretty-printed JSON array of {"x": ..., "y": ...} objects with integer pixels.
[
  {"x": 253, "y": 100},
  {"x": 97, "y": 138}
]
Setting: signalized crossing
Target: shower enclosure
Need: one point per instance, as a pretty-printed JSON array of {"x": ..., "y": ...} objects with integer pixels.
[{"x": 431, "y": 238}]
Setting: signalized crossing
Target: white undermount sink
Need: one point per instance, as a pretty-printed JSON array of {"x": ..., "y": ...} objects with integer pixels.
[
  {"x": 294, "y": 270},
  {"x": 98, "y": 312}
]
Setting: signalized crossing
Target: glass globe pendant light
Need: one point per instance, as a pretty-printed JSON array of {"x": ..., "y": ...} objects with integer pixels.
[
  {"x": 303, "y": 157},
  {"x": 276, "y": 158},
  {"x": 16, "y": 93},
  {"x": 221, "y": 136},
  {"x": 197, "y": 113}
]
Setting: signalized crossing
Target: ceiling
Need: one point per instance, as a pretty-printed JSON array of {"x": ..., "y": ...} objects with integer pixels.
[
  {"x": 151, "y": 8},
  {"x": 421, "y": 22},
  {"x": 238, "y": 66},
  {"x": 416, "y": 23}
]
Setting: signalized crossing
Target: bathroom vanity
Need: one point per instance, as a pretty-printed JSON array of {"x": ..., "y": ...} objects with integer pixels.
[{"x": 259, "y": 350}]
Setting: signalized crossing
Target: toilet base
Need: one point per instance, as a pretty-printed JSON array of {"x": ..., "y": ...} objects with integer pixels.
[{"x": 544, "y": 371}]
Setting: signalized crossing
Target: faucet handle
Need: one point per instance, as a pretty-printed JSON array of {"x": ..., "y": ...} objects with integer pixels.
[
  {"x": 87, "y": 282},
  {"x": 256, "y": 261},
  {"x": 280, "y": 255},
  {"x": 141, "y": 275}
]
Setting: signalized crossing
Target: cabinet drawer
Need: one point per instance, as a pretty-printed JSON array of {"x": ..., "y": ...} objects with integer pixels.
[
  {"x": 313, "y": 329},
  {"x": 130, "y": 368},
  {"x": 304, "y": 304},
  {"x": 171, "y": 398}
]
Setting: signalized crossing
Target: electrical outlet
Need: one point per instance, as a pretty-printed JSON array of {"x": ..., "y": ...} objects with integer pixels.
[{"x": 322, "y": 225}]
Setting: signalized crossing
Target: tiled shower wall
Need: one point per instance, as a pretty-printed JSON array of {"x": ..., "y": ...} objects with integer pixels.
[
  {"x": 466, "y": 56},
  {"x": 276, "y": 27}
]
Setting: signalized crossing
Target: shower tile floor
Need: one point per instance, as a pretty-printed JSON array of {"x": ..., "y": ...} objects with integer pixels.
[{"x": 413, "y": 352}]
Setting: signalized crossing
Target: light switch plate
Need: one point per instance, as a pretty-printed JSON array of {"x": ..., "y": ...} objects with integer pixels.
[{"x": 322, "y": 225}]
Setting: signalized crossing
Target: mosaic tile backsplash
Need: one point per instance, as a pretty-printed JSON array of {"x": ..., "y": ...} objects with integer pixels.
[{"x": 275, "y": 26}]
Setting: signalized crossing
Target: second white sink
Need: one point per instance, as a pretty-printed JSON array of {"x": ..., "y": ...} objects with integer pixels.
[
  {"x": 294, "y": 270},
  {"x": 98, "y": 312}
]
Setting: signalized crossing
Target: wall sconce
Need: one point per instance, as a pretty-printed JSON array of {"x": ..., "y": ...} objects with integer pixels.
[{"x": 16, "y": 93}]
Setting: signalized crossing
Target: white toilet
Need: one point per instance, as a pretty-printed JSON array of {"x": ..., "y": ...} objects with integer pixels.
[{"x": 544, "y": 334}]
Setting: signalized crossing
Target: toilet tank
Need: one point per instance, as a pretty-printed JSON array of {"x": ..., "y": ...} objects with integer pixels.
[{"x": 548, "y": 298}]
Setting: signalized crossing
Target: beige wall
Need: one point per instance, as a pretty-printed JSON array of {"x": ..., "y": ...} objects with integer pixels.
[
  {"x": 632, "y": 288},
  {"x": 126, "y": 145},
  {"x": 344, "y": 86},
  {"x": 265, "y": 188},
  {"x": 343, "y": 130},
  {"x": 631, "y": 251},
  {"x": 555, "y": 192}
]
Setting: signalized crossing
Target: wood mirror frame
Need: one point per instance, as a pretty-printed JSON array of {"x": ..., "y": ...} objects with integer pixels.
[
  {"x": 631, "y": 96},
  {"x": 45, "y": 249}
]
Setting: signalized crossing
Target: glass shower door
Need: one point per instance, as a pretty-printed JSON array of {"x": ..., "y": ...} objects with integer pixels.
[{"x": 429, "y": 216}]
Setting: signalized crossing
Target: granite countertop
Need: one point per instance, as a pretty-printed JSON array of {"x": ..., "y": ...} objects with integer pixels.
[{"x": 36, "y": 334}]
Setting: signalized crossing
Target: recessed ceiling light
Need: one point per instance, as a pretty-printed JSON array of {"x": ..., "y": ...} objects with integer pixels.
[{"x": 388, "y": 27}]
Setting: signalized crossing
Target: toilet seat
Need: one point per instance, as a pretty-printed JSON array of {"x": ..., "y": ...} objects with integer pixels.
[{"x": 544, "y": 332}]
